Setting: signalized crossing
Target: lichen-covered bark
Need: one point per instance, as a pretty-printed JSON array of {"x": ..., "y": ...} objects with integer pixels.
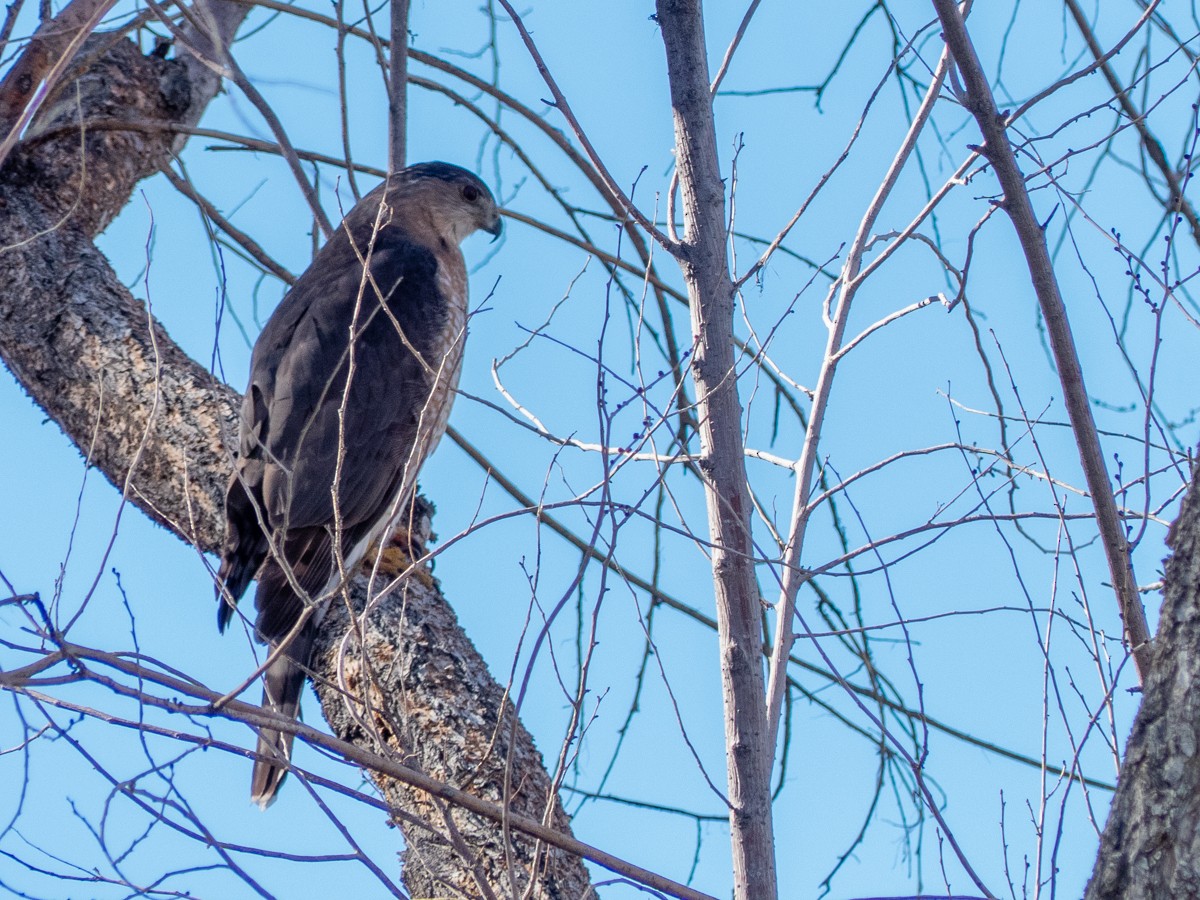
[
  {"x": 71, "y": 333},
  {"x": 145, "y": 414},
  {"x": 1150, "y": 848},
  {"x": 418, "y": 666}
]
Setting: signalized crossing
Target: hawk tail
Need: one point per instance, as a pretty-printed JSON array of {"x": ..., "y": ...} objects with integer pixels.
[{"x": 283, "y": 683}]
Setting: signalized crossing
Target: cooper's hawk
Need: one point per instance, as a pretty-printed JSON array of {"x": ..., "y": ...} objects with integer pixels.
[{"x": 351, "y": 383}]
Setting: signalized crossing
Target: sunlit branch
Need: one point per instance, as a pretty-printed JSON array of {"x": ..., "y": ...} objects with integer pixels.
[
  {"x": 203, "y": 700},
  {"x": 979, "y": 101},
  {"x": 792, "y": 574}
]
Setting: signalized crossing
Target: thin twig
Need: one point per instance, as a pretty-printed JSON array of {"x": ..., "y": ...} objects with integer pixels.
[
  {"x": 561, "y": 104},
  {"x": 262, "y": 717},
  {"x": 793, "y": 575},
  {"x": 398, "y": 86},
  {"x": 1154, "y": 149},
  {"x": 244, "y": 240}
]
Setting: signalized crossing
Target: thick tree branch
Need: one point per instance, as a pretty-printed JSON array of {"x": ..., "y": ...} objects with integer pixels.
[
  {"x": 85, "y": 350},
  {"x": 37, "y": 72},
  {"x": 1150, "y": 848},
  {"x": 157, "y": 425}
]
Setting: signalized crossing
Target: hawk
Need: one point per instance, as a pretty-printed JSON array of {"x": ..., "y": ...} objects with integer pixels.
[{"x": 351, "y": 383}]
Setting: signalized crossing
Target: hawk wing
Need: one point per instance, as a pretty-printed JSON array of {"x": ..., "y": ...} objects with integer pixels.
[
  {"x": 299, "y": 415},
  {"x": 322, "y": 410},
  {"x": 366, "y": 401},
  {"x": 350, "y": 387}
]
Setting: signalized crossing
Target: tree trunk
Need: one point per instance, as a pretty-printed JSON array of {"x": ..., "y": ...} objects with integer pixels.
[
  {"x": 705, "y": 267},
  {"x": 1150, "y": 848},
  {"x": 158, "y": 425}
]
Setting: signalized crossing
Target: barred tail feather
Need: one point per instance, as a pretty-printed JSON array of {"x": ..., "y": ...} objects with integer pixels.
[{"x": 283, "y": 683}]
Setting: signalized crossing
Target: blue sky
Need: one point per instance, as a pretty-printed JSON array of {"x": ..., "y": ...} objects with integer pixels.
[{"x": 977, "y": 658}]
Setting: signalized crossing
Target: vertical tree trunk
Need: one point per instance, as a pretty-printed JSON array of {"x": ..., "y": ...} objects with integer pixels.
[
  {"x": 703, "y": 259},
  {"x": 398, "y": 87}
]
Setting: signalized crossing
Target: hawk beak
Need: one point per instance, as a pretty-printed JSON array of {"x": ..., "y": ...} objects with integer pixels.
[{"x": 495, "y": 228}]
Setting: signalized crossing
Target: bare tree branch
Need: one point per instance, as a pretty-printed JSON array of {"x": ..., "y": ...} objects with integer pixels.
[
  {"x": 981, "y": 104},
  {"x": 846, "y": 288},
  {"x": 1153, "y": 147},
  {"x": 37, "y": 72},
  {"x": 384, "y": 767},
  {"x": 398, "y": 86}
]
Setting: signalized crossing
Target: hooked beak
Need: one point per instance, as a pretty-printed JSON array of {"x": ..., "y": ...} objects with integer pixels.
[{"x": 495, "y": 228}]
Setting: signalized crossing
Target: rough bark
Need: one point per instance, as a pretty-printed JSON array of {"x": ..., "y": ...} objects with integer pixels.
[
  {"x": 405, "y": 697},
  {"x": 145, "y": 415},
  {"x": 1150, "y": 848},
  {"x": 42, "y": 64},
  {"x": 71, "y": 333},
  {"x": 705, "y": 268}
]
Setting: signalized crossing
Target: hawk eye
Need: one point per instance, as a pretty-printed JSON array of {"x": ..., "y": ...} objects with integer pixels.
[{"x": 470, "y": 193}]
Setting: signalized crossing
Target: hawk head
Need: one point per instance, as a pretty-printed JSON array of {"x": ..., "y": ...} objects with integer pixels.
[{"x": 454, "y": 201}]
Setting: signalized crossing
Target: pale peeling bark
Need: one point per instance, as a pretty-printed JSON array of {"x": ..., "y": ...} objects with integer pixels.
[
  {"x": 1151, "y": 845},
  {"x": 131, "y": 400}
]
